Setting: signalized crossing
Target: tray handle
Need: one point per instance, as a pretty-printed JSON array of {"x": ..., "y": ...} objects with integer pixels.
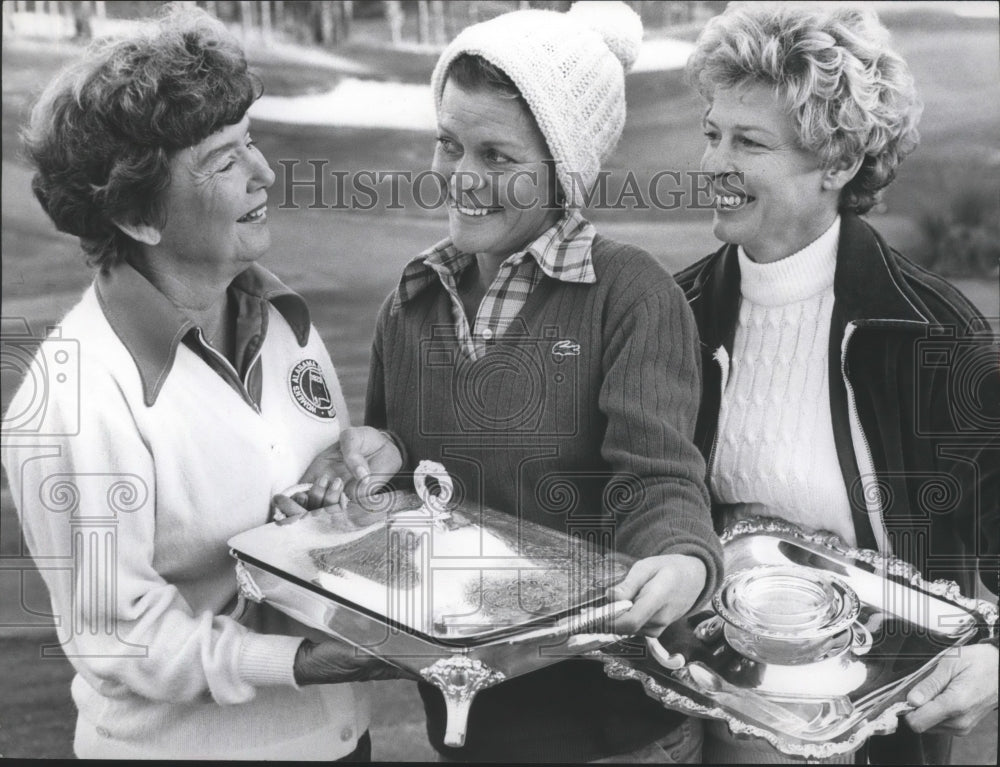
[
  {"x": 861, "y": 639},
  {"x": 247, "y": 585}
]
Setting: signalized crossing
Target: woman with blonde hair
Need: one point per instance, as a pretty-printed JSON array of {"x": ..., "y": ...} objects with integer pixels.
[{"x": 817, "y": 404}]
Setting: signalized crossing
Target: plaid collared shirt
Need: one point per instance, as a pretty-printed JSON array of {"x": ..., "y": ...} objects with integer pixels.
[{"x": 563, "y": 252}]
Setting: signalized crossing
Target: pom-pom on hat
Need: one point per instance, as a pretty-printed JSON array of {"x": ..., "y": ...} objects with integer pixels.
[{"x": 570, "y": 68}]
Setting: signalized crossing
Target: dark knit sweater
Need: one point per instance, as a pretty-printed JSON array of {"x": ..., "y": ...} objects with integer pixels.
[{"x": 580, "y": 418}]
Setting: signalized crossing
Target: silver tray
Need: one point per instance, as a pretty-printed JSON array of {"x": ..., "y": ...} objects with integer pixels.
[
  {"x": 467, "y": 598},
  {"x": 818, "y": 707}
]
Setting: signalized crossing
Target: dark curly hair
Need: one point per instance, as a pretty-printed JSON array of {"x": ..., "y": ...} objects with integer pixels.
[{"x": 103, "y": 131}]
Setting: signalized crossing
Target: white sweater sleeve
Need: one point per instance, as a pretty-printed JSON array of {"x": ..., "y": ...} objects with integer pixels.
[{"x": 89, "y": 517}]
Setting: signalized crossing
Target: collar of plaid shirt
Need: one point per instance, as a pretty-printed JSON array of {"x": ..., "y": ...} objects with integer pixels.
[{"x": 563, "y": 252}]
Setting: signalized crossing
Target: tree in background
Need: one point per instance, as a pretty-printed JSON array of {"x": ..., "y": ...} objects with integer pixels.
[{"x": 327, "y": 23}]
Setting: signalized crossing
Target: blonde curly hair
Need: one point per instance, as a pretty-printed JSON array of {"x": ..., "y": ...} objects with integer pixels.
[{"x": 851, "y": 94}]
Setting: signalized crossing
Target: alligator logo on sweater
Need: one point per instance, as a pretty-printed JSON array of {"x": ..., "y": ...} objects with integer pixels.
[
  {"x": 567, "y": 348},
  {"x": 310, "y": 390}
]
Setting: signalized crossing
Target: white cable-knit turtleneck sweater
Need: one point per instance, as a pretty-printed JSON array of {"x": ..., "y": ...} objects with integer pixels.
[{"x": 775, "y": 449}]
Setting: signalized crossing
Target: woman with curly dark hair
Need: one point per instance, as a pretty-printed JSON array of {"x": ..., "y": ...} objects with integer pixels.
[
  {"x": 203, "y": 392},
  {"x": 817, "y": 406}
]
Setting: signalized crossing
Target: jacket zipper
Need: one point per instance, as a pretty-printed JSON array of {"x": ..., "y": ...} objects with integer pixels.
[
  {"x": 866, "y": 464},
  {"x": 229, "y": 366},
  {"x": 721, "y": 356},
  {"x": 246, "y": 378}
]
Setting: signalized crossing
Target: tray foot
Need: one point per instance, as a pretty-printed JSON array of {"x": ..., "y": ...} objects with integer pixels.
[{"x": 459, "y": 678}]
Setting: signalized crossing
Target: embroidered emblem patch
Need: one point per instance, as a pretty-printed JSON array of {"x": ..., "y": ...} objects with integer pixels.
[
  {"x": 561, "y": 349},
  {"x": 310, "y": 390}
]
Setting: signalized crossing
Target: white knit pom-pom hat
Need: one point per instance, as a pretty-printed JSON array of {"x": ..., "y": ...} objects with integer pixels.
[{"x": 570, "y": 68}]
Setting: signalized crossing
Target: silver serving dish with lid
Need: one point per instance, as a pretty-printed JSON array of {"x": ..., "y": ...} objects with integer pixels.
[
  {"x": 811, "y": 645},
  {"x": 463, "y": 595}
]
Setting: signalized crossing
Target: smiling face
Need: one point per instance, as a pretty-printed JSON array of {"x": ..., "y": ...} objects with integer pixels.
[
  {"x": 497, "y": 168},
  {"x": 785, "y": 199},
  {"x": 216, "y": 205}
]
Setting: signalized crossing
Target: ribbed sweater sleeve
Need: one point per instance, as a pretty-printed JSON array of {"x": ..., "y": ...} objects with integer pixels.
[
  {"x": 650, "y": 397},
  {"x": 375, "y": 407},
  {"x": 376, "y": 414}
]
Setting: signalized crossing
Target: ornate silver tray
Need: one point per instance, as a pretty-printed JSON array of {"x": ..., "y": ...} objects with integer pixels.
[
  {"x": 810, "y": 645},
  {"x": 466, "y": 596}
]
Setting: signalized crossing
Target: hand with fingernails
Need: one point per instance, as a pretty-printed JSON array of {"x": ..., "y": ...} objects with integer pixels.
[
  {"x": 959, "y": 692},
  {"x": 350, "y": 469},
  {"x": 662, "y": 589}
]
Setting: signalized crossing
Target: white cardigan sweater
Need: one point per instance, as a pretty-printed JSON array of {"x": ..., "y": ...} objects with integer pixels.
[{"x": 127, "y": 508}]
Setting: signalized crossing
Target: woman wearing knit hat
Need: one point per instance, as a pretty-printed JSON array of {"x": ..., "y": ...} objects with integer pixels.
[
  {"x": 819, "y": 405},
  {"x": 552, "y": 371}
]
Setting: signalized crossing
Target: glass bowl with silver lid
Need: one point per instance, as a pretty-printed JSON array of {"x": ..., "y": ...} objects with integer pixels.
[{"x": 790, "y": 615}]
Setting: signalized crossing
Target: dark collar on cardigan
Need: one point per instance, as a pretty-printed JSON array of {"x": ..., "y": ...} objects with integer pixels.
[
  {"x": 151, "y": 327},
  {"x": 867, "y": 286}
]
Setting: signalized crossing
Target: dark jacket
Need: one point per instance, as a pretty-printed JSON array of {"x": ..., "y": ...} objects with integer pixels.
[{"x": 914, "y": 365}]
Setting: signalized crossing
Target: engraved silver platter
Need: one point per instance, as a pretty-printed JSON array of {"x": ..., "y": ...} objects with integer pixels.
[
  {"x": 810, "y": 645},
  {"x": 465, "y": 596}
]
